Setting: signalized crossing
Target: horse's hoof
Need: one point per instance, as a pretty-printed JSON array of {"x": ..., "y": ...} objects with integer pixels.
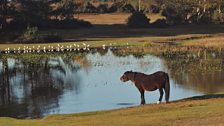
[{"x": 158, "y": 102}]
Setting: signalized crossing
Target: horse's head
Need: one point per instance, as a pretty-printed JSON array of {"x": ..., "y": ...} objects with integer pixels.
[{"x": 126, "y": 76}]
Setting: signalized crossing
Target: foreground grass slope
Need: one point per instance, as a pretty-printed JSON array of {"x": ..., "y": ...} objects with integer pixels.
[{"x": 184, "y": 113}]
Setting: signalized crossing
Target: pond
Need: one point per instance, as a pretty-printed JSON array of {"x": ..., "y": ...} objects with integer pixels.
[{"x": 34, "y": 86}]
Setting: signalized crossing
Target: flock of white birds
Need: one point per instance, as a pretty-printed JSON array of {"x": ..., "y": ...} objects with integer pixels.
[{"x": 57, "y": 48}]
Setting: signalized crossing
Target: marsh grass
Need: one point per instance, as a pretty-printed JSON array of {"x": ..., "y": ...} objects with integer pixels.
[{"x": 217, "y": 42}]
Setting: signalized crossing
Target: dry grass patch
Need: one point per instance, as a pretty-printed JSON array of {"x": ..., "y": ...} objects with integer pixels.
[
  {"x": 215, "y": 41},
  {"x": 114, "y": 18}
]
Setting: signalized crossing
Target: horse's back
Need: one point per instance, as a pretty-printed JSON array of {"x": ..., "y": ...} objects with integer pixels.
[
  {"x": 155, "y": 76},
  {"x": 159, "y": 77},
  {"x": 161, "y": 73}
]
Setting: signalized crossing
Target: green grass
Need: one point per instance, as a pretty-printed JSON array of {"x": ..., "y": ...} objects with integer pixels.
[{"x": 187, "y": 112}]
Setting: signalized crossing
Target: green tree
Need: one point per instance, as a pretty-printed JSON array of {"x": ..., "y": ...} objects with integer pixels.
[
  {"x": 65, "y": 9},
  {"x": 35, "y": 13},
  {"x": 138, "y": 20},
  {"x": 177, "y": 11},
  {"x": 3, "y": 14},
  {"x": 189, "y": 11}
]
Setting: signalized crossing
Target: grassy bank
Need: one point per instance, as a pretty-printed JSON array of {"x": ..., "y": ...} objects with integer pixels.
[{"x": 196, "y": 112}]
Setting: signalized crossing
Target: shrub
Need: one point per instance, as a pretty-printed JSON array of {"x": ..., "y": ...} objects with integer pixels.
[
  {"x": 159, "y": 23},
  {"x": 1, "y": 19},
  {"x": 177, "y": 12},
  {"x": 200, "y": 19},
  {"x": 102, "y": 8},
  {"x": 128, "y": 8},
  {"x": 114, "y": 8},
  {"x": 138, "y": 20},
  {"x": 154, "y": 9},
  {"x": 205, "y": 18},
  {"x": 29, "y": 35},
  {"x": 69, "y": 24},
  {"x": 17, "y": 23},
  {"x": 121, "y": 7},
  {"x": 89, "y": 8},
  {"x": 218, "y": 17},
  {"x": 52, "y": 37},
  {"x": 172, "y": 15}
]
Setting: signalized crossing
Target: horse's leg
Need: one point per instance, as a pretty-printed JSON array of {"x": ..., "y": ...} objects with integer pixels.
[
  {"x": 161, "y": 96},
  {"x": 142, "y": 97},
  {"x": 142, "y": 92}
]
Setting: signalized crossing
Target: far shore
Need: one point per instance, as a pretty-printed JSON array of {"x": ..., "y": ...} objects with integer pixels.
[{"x": 111, "y": 28}]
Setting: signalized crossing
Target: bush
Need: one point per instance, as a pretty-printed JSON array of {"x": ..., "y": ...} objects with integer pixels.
[
  {"x": 102, "y": 8},
  {"x": 200, "y": 19},
  {"x": 114, "y": 8},
  {"x": 89, "y": 8},
  {"x": 121, "y": 7},
  {"x": 154, "y": 9},
  {"x": 52, "y": 37},
  {"x": 128, "y": 8},
  {"x": 172, "y": 15},
  {"x": 1, "y": 19},
  {"x": 29, "y": 35},
  {"x": 69, "y": 24},
  {"x": 17, "y": 24},
  {"x": 159, "y": 23},
  {"x": 218, "y": 17},
  {"x": 205, "y": 19},
  {"x": 138, "y": 20}
]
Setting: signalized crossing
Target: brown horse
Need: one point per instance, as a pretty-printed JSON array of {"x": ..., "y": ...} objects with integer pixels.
[{"x": 158, "y": 80}]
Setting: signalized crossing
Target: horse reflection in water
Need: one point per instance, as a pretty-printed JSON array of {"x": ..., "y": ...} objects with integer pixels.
[{"x": 158, "y": 80}]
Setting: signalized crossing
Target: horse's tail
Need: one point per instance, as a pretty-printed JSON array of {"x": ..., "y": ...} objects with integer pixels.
[{"x": 167, "y": 88}]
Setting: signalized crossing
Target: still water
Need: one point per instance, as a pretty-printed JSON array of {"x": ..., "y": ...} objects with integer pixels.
[{"x": 34, "y": 87}]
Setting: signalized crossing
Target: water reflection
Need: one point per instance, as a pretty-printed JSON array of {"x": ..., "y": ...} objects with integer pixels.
[
  {"x": 201, "y": 71},
  {"x": 33, "y": 86}
]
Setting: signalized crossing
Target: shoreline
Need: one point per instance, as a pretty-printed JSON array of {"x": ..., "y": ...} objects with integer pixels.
[{"x": 179, "y": 112}]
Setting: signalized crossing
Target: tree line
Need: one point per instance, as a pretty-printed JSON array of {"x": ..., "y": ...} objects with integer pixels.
[
  {"x": 17, "y": 14},
  {"x": 193, "y": 11},
  {"x": 20, "y": 14}
]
